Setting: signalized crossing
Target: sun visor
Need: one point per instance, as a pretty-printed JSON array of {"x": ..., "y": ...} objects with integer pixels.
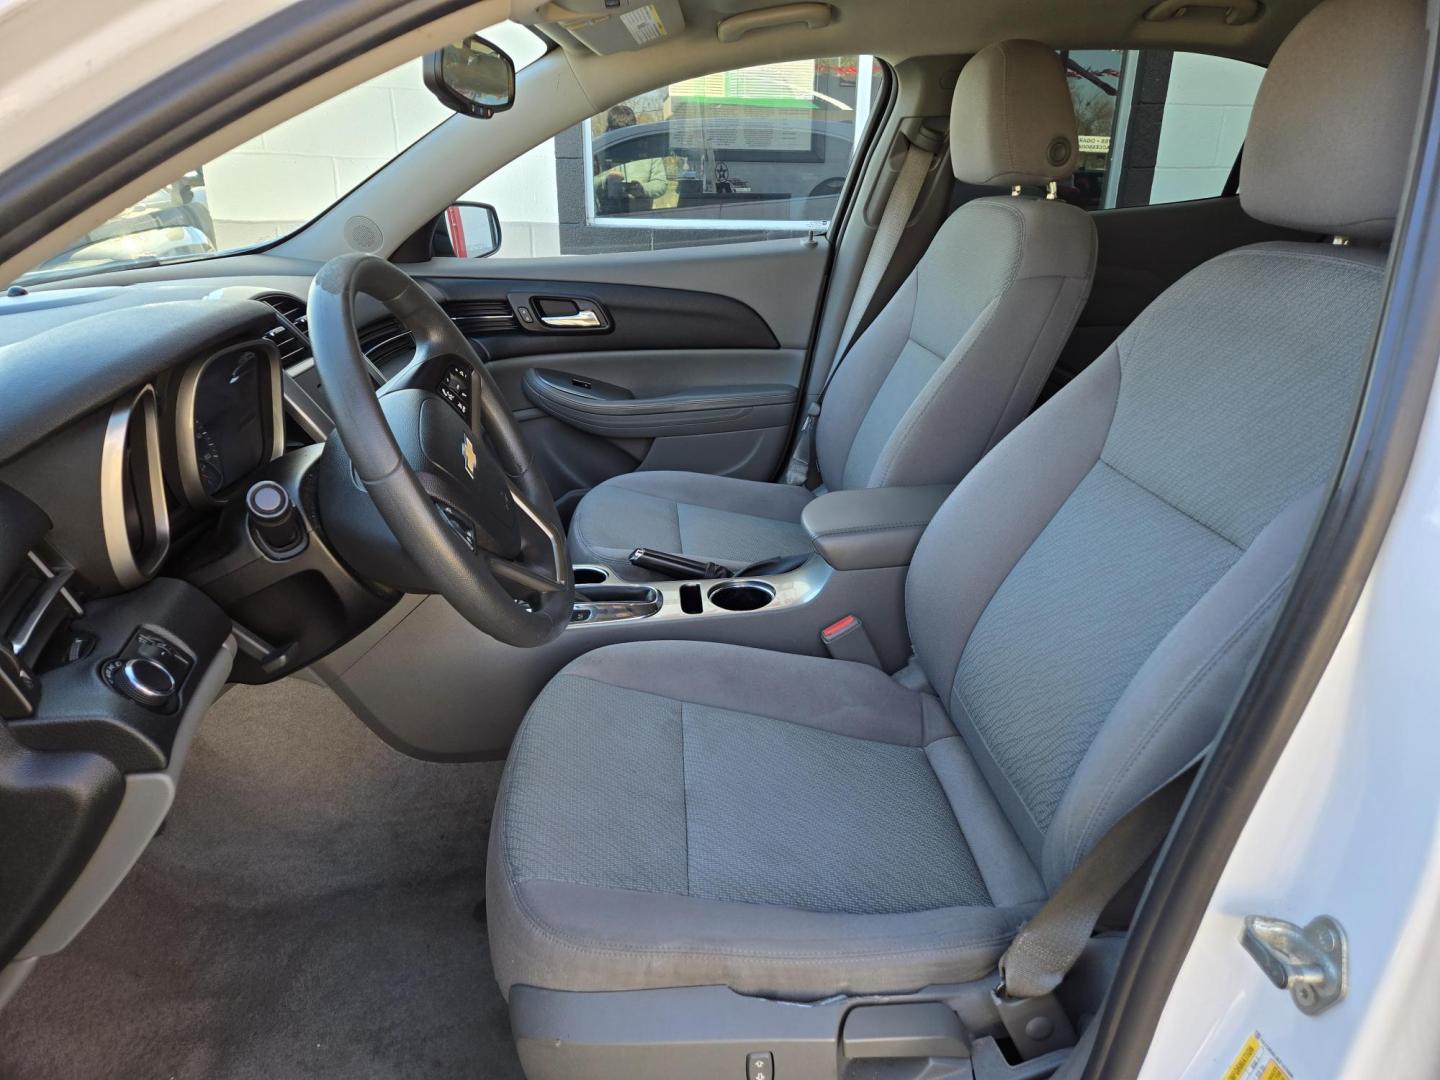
[{"x": 607, "y": 27}]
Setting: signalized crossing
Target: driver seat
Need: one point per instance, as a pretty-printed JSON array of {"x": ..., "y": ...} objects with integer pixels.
[
  {"x": 952, "y": 362},
  {"x": 691, "y": 836}
]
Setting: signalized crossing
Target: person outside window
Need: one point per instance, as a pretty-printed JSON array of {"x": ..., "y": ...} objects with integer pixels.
[{"x": 629, "y": 187}]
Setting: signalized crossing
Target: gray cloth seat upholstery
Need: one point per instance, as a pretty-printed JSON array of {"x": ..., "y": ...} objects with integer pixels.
[
  {"x": 1085, "y": 606},
  {"x": 953, "y": 361},
  {"x": 735, "y": 522},
  {"x": 674, "y": 751}
]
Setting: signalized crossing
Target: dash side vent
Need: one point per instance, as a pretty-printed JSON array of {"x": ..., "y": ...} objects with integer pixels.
[
  {"x": 384, "y": 340},
  {"x": 292, "y": 336},
  {"x": 478, "y": 317}
]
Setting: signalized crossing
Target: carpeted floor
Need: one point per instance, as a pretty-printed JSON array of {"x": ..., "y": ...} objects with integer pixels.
[{"x": 306, "y": 912}]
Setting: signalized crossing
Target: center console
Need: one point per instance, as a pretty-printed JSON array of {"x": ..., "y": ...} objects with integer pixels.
[
  {"x": 476, "y": 689},
  {"x": 867, "y": 529},
  {"x": 600, "y": 598}
]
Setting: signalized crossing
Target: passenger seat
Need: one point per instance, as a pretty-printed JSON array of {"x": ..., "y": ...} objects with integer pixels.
[{"x": 953, "y": 361}]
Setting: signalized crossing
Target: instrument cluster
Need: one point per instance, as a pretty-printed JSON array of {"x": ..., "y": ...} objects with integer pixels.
[{"x": 228, "y": 421}]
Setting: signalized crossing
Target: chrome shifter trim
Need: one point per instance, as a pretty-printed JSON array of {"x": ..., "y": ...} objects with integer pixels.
[{"x": 792, "y": 590}]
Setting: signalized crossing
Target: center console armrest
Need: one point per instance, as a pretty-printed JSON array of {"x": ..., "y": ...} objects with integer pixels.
[{"x": 872, "y": 527}]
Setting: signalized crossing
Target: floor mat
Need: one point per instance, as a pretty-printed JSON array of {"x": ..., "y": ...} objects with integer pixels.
[{"x": 308, "y": 911}]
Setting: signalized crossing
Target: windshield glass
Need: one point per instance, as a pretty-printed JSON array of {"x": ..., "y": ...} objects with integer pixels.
[{"x": 277, "y": 182}]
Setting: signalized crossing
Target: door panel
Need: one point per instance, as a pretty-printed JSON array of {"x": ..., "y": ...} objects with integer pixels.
[
  {"x": 777, "y": 279},
  {"x": 696, "y": 364},
  {"x": 639, "y": 316}
]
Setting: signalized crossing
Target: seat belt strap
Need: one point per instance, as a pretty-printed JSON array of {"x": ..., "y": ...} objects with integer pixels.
[
  {"x": 802, "y": 468},
  {"x": 1047, "y": 946},
  {"x": 898, "y": 208}
]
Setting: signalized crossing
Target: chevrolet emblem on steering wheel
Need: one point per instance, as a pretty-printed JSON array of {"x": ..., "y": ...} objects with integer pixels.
[{"x": 467, "y": 455}]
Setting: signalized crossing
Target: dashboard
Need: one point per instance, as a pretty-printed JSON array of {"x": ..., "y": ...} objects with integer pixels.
[
  {"x": 140, "y": 571},
  {"x": 127, "y": 477},
  {"x": 133, "y": 582}
]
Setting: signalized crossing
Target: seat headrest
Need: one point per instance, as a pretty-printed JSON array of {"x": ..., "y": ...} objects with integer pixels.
[
  {"x": 1012, "y": 120},
  {"x": 1329, "y": 137}
]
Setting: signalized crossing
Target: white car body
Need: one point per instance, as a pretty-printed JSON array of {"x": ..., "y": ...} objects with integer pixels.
[{"x": 1349, "y": 822}]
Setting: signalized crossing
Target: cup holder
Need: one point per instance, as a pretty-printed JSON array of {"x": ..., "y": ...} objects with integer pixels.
[
  {"x": 742, "y": 595},
  {"x": 591, "y": 575},
  {"x": 612, "y": 603}
]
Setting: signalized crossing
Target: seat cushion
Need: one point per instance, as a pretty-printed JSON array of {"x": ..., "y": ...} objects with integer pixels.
[
  {"x": 719, "y": 518},
  {"x": 679, "y": 814}
]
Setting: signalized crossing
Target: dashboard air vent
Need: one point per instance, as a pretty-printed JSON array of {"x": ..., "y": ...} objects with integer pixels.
[
  {"x": 479, "y": 317},
  {"x": 291, "y": 337},
  {"x": 384, "y": 340}
]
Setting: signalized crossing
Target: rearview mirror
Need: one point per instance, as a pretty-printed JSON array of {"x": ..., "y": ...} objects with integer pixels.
[
  {"x": 471, "y": 77},
  {"x": 466, "y": 230}
]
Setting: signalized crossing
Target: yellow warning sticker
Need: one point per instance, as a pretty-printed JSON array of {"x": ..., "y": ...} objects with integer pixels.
[{"x": 1256, "y": 1061}]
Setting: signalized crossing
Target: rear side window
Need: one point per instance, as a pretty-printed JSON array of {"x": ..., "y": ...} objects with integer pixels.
[{"x": 1156, "y": 126}]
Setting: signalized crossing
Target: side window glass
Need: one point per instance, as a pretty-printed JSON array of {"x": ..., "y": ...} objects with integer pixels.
[
  {"x": 752, "y": 154},
  {"x": 1156, "y": 126}
]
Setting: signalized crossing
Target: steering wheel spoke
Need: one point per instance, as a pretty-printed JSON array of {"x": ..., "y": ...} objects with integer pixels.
[{"x": 525, "y": 576}]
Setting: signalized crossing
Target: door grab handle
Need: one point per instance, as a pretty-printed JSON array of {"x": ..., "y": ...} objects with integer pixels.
[{"x": 581, "y": 320}]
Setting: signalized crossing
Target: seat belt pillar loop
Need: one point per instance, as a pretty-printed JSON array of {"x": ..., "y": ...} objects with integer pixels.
[{"x": 801, "y": 469}]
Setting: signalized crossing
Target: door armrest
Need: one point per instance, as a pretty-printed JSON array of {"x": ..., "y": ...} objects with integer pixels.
[
  {"x": 872, "y": 527},
  {"x": 606, "y": 409}
]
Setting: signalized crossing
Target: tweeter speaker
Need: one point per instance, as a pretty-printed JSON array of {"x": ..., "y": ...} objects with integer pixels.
[{"x": 362, "y": 234}]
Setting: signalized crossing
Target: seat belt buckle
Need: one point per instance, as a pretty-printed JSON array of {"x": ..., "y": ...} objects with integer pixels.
[
  {"x": 846, "y": 639},
  {"x": 1036, "y": 1025}
]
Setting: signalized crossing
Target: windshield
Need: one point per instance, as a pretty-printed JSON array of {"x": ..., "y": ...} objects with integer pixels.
[{"x": 279, "y": 181}]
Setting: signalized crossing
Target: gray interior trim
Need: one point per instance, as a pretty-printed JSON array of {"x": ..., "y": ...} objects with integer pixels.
[
  {"x": 707, "y": 1030},
  {"x": 651, "y": 372},
  {"x": 869, "y": 527},
  {"x": 433, "y": 647},
  {"x": 147, "y": 799},
  {"x": 12, "y": 976},
  {"x": 779, "y": 279},
  {"x": 689, "y": 412}
]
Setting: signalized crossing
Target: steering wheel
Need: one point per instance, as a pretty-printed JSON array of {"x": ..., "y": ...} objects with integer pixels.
[{"x": 462, "y": 509}]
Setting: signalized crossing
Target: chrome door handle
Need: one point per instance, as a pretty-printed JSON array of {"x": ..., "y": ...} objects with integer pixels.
[{"x": 581, "y": 320}]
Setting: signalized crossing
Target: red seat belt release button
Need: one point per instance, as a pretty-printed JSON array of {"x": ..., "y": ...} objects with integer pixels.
[{"x": 846, "y": 639}]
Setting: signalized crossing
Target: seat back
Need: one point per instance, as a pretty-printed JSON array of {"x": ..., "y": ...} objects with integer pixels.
[
  {"x": 958, "y": 355},
  {"x": 1089, "y": 601}
]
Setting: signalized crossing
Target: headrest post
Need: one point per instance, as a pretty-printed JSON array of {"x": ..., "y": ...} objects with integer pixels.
[
  {"x": 1015, "y": 192},
  {"x": 1340, "y": 241},
  {"x": 1052, "y": 189}
]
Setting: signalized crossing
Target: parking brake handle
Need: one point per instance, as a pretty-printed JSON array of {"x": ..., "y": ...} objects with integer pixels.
[{"x": 677, "y": 566}]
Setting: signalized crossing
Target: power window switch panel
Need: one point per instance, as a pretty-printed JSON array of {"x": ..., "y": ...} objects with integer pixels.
[{"x": 760, "y": 1065}]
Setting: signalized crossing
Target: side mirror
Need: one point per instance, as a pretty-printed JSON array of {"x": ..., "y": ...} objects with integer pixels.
[
  {"x": 466, "y": 230},
  {"x": 471, "y": 77}
]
